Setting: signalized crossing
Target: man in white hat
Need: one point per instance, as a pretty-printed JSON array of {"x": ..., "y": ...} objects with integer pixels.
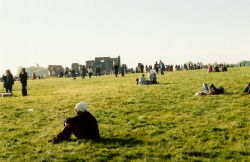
[{"x": 83, "y": 125}]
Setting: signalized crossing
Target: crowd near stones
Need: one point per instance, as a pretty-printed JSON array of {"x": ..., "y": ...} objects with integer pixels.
[{"x": 108, "y": 66}]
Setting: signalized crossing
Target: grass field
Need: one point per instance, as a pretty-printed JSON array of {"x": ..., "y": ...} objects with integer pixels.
[{"x": 164, "y": 122}]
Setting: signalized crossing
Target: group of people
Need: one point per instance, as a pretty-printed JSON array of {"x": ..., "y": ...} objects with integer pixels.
[
  {"x": 8, "y": 81},
  {"x": 216, "y": 68}
]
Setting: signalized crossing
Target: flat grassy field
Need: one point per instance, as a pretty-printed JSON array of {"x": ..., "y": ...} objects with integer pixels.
[{"x": 164, "y": 122}]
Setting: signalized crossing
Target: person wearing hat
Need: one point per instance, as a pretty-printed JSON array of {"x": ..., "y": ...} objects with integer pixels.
[
  {"x": 23, "y": 79},
  {"x": 83, "y": 125}
]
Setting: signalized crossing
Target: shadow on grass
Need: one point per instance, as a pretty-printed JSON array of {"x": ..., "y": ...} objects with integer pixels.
[{"x": 127, "y": 141}]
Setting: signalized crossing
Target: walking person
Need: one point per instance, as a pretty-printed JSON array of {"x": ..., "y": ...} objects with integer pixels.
[
  {"x": 99, "y": 71},
  {"x": 83, "y": 72},
  {"x": 123, "y": 68},
  {"x": 96, "y": 71},
  {"x": 23, "y": 79},
  {"x": 90, "y": 72},
  {"x": 162, "y": 67},
  {"x": 116, "y": 67},
  {"x": 8, "y": 81}
]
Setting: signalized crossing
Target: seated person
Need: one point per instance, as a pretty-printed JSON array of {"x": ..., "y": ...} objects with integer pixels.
[
  {"x": 224, "y": 68},
  {"x": 152, "y": 75},
  {"x": 210, "y": 69},
  {"x": 247, "y": 89},
  {"x": 143, "y": 81},
  {"x": 216, "y": 69},
  {"x": 213, "y": 90},
  {"x": 83, "y": 125}
]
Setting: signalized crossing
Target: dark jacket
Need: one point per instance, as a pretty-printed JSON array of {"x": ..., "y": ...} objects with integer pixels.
[
  {"x": 87, "y": 122},
  {"x": 116, "y": 67},
  {"x": 23, "y": 77},
  {"x": 8, "y": 81}
]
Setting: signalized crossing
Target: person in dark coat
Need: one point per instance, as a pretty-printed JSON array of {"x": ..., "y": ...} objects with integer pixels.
[
  {"x": 156, "y": 67},
  {"x": 247, "y": 89},
  {"x": 116, "y": 67},
  {"x": 142, "y": 68},
  {"x": 8, "y": 81},
  {"x": 23, "y": 79},
  {"x": 83, "y": 125},
  {"x": 83, "y": 72}
]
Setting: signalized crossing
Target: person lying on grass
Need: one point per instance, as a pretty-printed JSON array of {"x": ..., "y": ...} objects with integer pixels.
[
  {"x": 212, "y": 90},
  {"x": 83, "y": 125},
  {"x": 247, "y": 89}
]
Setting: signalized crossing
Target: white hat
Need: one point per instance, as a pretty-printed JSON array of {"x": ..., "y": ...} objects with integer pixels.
[{"x": 82, "y": 106}]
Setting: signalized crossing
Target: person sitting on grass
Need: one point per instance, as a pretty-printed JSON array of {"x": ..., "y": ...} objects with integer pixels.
[
  {"x": 210, "y": 69},
  {"x": 83, "y": 125},
  {"x": 216, "y": 69},
  {"x": 143, "y": 81},
  {"x": 224, "y": 68},
  {"x": 152, "y": 75},
  {"x": 247, "y": 89}
]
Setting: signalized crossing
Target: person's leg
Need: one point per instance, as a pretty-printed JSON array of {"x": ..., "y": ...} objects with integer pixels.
[
  {"x": 24, "y": 90},
  {"x": 205, "y": 87},
  {"x": 10, "y": 89},
  {"x": 246, "y": 89},
  {"x": 79, "y": 132},
  {"x": 65, "y": 133},
  {"x": 214, "y": 88}
]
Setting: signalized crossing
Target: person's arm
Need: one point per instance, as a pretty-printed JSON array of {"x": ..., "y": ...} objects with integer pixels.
[{"x": 70, "y": 120}]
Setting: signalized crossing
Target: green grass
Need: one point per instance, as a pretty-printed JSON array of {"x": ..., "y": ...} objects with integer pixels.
[{"x": 164, "y": 122}]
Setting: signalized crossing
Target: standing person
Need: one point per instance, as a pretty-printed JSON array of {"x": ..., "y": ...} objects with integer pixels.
[
  {"x": 73, "y": 73},
  {"x": 161, "y": 66},
  {"x": 146, "y": 67},
  {"x": 8, "y": 81},
  {"x": 99, "y": 71},
  {"x": 123, "y": 68},
  {"x": 90, "y": 71},
  {"x": 23, "y": 79},
  {"x": 142, "y": 68},
  {"x": 156, "y": 67},
  {"x": 83, "y": 72},
  {"x": 96, "y": 71},
  {"x": 66, "y": 74},
  {"x": 116, "y": 67}
]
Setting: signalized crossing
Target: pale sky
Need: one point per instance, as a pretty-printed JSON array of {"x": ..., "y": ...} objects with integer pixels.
[{"x": 60, "y": 32}]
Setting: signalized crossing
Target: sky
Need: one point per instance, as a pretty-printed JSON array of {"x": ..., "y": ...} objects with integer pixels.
[{"x": 61, "y": 32}]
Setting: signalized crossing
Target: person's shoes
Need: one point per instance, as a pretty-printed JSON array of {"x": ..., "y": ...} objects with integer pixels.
[{"x": 55, "y": 140}]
